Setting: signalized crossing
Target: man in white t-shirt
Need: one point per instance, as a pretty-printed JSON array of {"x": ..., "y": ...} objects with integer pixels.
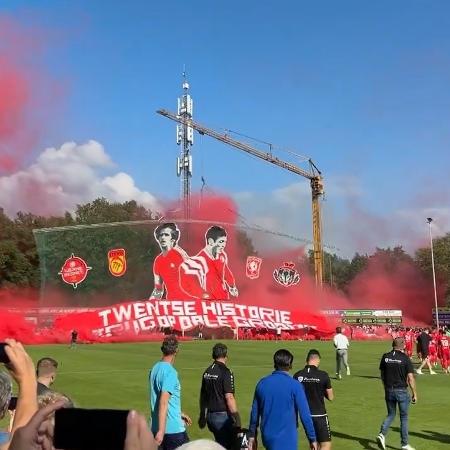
[{"x": 341, "y": 344}]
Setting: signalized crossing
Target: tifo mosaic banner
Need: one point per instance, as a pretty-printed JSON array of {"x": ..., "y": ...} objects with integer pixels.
[{"x": 147, "y": 275}]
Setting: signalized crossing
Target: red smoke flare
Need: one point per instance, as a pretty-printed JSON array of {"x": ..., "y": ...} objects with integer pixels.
[
  {"x": 376, "y": 288},
  {"x": 24, "y": 92}
]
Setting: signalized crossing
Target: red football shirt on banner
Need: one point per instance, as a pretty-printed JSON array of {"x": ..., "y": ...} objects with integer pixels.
[
  {"x": 204, "y": 277},
  {"x": 167, "y": 267}
]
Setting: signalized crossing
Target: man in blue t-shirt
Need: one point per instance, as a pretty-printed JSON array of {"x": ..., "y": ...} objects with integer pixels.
[
  {"x": 278, "y": 402},
  {"x": 168, "y": 421}
]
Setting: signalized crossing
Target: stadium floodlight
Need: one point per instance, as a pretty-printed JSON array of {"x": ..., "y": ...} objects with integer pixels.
[{"x": 429, "y": 221}]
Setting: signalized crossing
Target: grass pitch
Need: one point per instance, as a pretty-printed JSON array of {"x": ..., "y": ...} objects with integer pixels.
[{"x": 115, "y": 376}]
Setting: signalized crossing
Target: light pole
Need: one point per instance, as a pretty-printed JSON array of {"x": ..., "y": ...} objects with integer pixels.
[{"x": 429, "y": 220}]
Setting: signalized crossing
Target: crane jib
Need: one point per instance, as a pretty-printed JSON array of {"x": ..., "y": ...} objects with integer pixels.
[{"x": 314, "y": 176}]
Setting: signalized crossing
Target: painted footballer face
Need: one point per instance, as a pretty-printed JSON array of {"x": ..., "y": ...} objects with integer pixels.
[
  {"x": 166, "y": 242},
  {"x": 218, "y": 246}
]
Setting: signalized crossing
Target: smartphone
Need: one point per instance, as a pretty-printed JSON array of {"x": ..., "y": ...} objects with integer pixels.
[
  {"x": 3, "y": 356},
  {"x": 90, "y": 429}
]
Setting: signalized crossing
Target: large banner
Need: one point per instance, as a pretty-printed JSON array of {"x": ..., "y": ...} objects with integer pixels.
[
  {"x": 145, "y": 317},
  {"x": 176, "y": 274}
]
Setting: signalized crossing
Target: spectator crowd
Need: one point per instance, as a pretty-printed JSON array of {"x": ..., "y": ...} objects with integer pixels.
[{"x": 280, "y": 403}]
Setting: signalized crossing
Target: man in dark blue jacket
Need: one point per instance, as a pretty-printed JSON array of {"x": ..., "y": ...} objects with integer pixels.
[{"x": 277, "y": 404}]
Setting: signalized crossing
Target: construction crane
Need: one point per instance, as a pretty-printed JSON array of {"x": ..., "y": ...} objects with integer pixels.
[{"x": 313, "y": 175}]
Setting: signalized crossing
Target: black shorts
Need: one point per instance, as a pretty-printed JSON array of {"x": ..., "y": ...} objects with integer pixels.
[
  {"x": 322, "y": 427},
  {"x": 173, "y": 441}
]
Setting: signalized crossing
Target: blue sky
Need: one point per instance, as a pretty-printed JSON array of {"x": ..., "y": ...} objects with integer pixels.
[{"x": 362, "y": 87}]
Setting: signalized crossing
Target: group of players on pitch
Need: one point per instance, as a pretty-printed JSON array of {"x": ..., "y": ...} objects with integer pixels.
[{"x": 432, "y": 346}]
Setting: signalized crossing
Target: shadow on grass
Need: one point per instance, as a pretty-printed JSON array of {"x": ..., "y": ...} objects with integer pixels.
[
  {"x": 428, "y": 435},
  {"x": 366, "y": 444},
  {"x": 368, "y": 376}
]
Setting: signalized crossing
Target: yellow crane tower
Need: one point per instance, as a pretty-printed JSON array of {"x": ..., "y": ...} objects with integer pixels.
[{"x": 314, "y": 175}]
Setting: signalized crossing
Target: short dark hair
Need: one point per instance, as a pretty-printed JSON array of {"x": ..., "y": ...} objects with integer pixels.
[
  {"x": 46, "y": 366},
  {"x": 219, "y": 351},
  {"x": 398, "y": 343},
  {"x": 338, "y": 330},
  {"x": 215, "y": 232},
  {"x": 169, "y": 346},
  {"x": 313, "y": 353},
  {"x": 175, "y": 232},
  {"x": 283, "y": 359}
]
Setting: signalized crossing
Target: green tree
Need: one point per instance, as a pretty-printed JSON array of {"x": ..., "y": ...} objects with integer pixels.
[
  {"x": 93, "y": 234},
  {"x": 390, "y": 258},
  {"x": 441, "y": 249},
  {"x": 336, "y": 270},
  {"x": 102, "y": 211},
  {"x": 357, "y": 265},
  {"x": 15, "y": 269}
]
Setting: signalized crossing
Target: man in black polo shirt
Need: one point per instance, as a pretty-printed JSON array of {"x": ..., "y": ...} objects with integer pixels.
[
  {"x": 423, "y": 341},
  {"x": 397, "y": 374},
  {"x": 317, "y": 386},
  {"x": 218, "y": 407}
]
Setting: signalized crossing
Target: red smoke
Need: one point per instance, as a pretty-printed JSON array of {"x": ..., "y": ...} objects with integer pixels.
[
  {"x": 303, "y": 298},
  {"x": 378, "y": 287},
  {"x": 402, "y": 287},
  {"x": 24, "y": 93}
]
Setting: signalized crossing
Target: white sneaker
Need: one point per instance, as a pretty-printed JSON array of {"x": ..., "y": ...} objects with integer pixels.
[
  {"x": 419, "y": 371},
  {"x": 407, "y": 447},
  {"x": 381, "y": 441},
  {"x": 432, "y": 372},
  {"x": 348, "y": 370}
]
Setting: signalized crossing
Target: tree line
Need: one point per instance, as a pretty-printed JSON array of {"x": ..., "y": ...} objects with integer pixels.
[
  {"x": 20, "y": 256},
  {"x": 339, "y": 272}
]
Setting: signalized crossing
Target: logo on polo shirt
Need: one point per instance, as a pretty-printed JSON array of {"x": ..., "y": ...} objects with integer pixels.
[
  {"x": 390, "y": 360},
  {"x": 309, "y": 380}
]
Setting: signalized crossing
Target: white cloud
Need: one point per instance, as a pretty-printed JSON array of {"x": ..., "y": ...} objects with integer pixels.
[
  {"x": 348, "y": 225},
  {"x": 344, "y": 186},
  {"x": 416, "y": 218},
  {"x": 293, "y": 194},
  {"x": 65, "y": 176}
]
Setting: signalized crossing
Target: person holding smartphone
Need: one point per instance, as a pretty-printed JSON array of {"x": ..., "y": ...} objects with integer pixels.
[
  {"x": 21, "y": 369},
  {"x": 168, "y": 421},
  {"x": 397, "y": 373}
]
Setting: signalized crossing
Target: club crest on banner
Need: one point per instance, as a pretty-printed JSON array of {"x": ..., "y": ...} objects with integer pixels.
[
  {"x": 74, "y": 270},
  {"x": 253, "y": 267},
  {"x": 286, "y": 275},
  {"x": 117, "y": 262}
]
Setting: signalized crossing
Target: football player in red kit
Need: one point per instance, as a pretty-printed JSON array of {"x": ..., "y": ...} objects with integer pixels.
[
  {"x": 433, "y": 349},
  {"x": 207, "y": 274},
  {"x": 166, "y": 265},
  {"x": 409, "y": 340},
  {"x": 444, "y": 347}
]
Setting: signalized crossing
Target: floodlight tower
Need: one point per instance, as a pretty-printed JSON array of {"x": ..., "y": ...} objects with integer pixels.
[{"x": 185, "y": 139}]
